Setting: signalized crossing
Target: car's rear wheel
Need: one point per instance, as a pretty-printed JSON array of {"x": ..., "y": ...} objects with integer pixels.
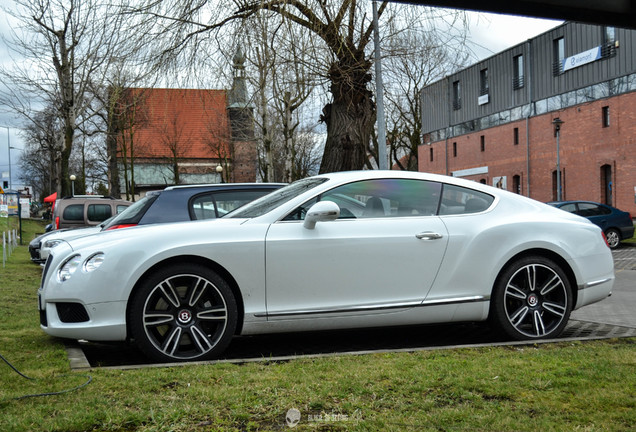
[
  {"x": 532, "y": 299},
  {"x": 613, "y": 238},
  {"x": 182, "y": 313}
]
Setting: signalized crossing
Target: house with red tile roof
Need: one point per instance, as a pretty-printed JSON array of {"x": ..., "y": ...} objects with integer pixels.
[{"x": 184, "y": 136}]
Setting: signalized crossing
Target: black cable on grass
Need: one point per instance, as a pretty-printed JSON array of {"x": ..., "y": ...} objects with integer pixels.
[{"x": 89, "y": 379}]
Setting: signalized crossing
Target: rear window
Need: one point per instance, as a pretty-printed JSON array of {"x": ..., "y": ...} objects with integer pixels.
[
  {"x": 74, "y": 212},
  {"x": 99, "y": 212},
  {"x": 460, "y": 200}
]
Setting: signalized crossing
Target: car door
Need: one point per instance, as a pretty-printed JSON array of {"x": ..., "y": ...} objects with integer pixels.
[
  {"x": 383, "y": 252},
  {"x": 595, "y": 213}
]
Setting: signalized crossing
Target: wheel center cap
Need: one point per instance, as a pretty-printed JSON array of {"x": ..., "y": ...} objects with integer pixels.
[
  {"x": 533, "y": 300},
  {"x": 184, "y": 316}
]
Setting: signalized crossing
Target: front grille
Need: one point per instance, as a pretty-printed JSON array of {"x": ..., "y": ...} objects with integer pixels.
[
  {"x": 35, "y": 252},
  {"x": 71, "y": 312}
]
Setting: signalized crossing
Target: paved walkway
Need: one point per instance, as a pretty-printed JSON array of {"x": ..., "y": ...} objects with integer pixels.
[
  {"x": 620, "y": 308},
  {"x": 625, "y": 257}
]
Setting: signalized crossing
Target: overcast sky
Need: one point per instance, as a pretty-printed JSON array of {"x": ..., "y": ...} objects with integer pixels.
[{"x": 491, "y": 33}]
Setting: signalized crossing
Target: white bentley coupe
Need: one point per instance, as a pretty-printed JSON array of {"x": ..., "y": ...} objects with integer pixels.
[{"x": 335, "y": 251}]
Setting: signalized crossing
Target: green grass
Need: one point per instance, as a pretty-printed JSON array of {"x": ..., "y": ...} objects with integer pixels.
[{"x": 585, "y": 386}]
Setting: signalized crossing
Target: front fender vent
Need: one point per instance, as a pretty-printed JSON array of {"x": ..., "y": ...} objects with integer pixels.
[{"x": 71, "y": 312}]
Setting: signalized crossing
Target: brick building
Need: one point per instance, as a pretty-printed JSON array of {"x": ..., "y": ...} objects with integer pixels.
[
  {"x": 185, "y": 136},
  {"x": 494, "y": 122}
]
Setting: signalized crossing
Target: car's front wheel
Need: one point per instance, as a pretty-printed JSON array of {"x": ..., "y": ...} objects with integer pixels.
[
  {"x": 182, "y": 313},
  {"x": 532, "y": 299},
  {"x": 613, "y": 238}
]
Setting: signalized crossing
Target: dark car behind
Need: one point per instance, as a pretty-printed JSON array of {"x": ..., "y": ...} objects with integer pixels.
[
  {"x": 616, "y": 224},
  {"x": 182, "y": 203}
]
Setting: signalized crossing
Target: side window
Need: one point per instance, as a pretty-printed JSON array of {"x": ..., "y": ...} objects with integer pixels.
[
  {"x": 121, "y": 208},
  {"x": 379, "y": 198},
  {"x": 203, "y": 207},
  {"x": 228, "y": 201},
  {"x": 571, "y": 208},
  {"x": 213, "y": 205},
  {"x": 587, "y": 209},
  {"x": 74, "y": 212},
  {"x": 460, "y": 200},
  {"x": 99, "y": 212}
]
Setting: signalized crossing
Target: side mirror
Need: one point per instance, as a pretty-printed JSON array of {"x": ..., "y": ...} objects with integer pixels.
[{"x": 322, "y": 211}]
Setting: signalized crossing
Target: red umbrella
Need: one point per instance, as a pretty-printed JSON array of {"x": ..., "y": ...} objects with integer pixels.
[{"x": 51, "y": 198}]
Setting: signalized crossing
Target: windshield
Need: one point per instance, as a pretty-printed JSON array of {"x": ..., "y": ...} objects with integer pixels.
[{"x": 270, "y": 202}]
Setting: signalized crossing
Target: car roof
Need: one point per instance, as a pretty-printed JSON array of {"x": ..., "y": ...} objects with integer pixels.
[{"x": 226, "y": 186}]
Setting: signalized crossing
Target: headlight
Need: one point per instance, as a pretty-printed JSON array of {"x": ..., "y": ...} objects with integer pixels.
[
  {"x": 68, "y": 268},
  {"x": 52, "y": 243},
  {"x": 94, "y": 262}
]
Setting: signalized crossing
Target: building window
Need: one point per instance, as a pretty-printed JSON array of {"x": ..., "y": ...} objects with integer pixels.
[
  {"x": 609, "y": 34},
  {"x": 606, "y": 116},
  {"x": 484, "y": 87},
  {"x": 608, "y": 49},
  {"x": 454, "y": 149},
  {"x": 515, "y": 136},
  {"x": 558, "y": 49},
  {"x": 516, "y": 184},
  {"x": 431, "y": 152},
  {"x": 518, "y": 78},
  {"x": 457, "y": 99},
  {"x": 483, "y": 142}
]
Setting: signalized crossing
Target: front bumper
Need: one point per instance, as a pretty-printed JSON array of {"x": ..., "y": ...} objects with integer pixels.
[{"x": 74, "y": 320}]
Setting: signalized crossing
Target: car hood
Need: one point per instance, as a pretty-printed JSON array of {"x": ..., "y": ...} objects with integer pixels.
[
  {"x": 73, "y": 233},
  {"x": 36, "y": 241},
  {"x": 138, "y": 233}
]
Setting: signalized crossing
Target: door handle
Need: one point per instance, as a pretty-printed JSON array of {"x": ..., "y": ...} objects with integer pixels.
[{"x": 428, "y": 235}]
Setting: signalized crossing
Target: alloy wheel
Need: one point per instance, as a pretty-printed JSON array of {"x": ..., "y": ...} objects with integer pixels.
[
  {"x": 185, "y": 316},
  {"x": 536, "y": 301}
]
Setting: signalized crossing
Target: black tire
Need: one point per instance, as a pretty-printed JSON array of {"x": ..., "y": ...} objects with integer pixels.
[
  {"x": 613, "y": 238},
  {"x": 532, "y": 299},
  {"x": 184, "y": 312}
]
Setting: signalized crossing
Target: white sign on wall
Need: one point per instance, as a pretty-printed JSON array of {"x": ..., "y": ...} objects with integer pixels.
[{"x": 580, "y": 59}]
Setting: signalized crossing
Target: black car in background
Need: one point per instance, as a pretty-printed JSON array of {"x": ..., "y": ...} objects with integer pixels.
[
  {"x": 172, "y": 204},
  {"x": 182, "y": 203},
  {"x": 616, "y": 224}
]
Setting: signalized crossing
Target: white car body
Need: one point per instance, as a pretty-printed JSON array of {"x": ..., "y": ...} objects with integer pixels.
[
  {"x": 288, "y": 275},
  {"x": 60, "y": 236}
]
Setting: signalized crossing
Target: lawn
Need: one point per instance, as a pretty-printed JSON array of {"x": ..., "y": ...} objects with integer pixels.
[{"x": 586, "y": 386}]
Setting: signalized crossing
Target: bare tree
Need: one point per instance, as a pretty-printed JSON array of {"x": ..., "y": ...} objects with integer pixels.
[
  {"x": 175, "y": 139},
  {"x": 279, "y": 56},
  {"x": 82, "y": 39},
  {"x": 126, "y": 113},
  {"x": 415, "y": 58},
  {"x": 41, "y": 152},
  {"x": 341, "y": 31}
]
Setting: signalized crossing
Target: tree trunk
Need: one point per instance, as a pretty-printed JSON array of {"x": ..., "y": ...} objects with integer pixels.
[{"x": 350, "y": 118}]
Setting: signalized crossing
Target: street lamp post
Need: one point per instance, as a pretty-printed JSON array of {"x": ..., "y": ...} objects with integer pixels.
[
  {"x": 9, "y": 150},
  {"x": 219, "y": 171},
  {"x": 72, "y": 177},
  {"x": 557, "y": 122}
]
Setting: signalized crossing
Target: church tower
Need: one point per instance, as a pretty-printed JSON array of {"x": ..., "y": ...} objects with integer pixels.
[{"x": 241, "y": 116}]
